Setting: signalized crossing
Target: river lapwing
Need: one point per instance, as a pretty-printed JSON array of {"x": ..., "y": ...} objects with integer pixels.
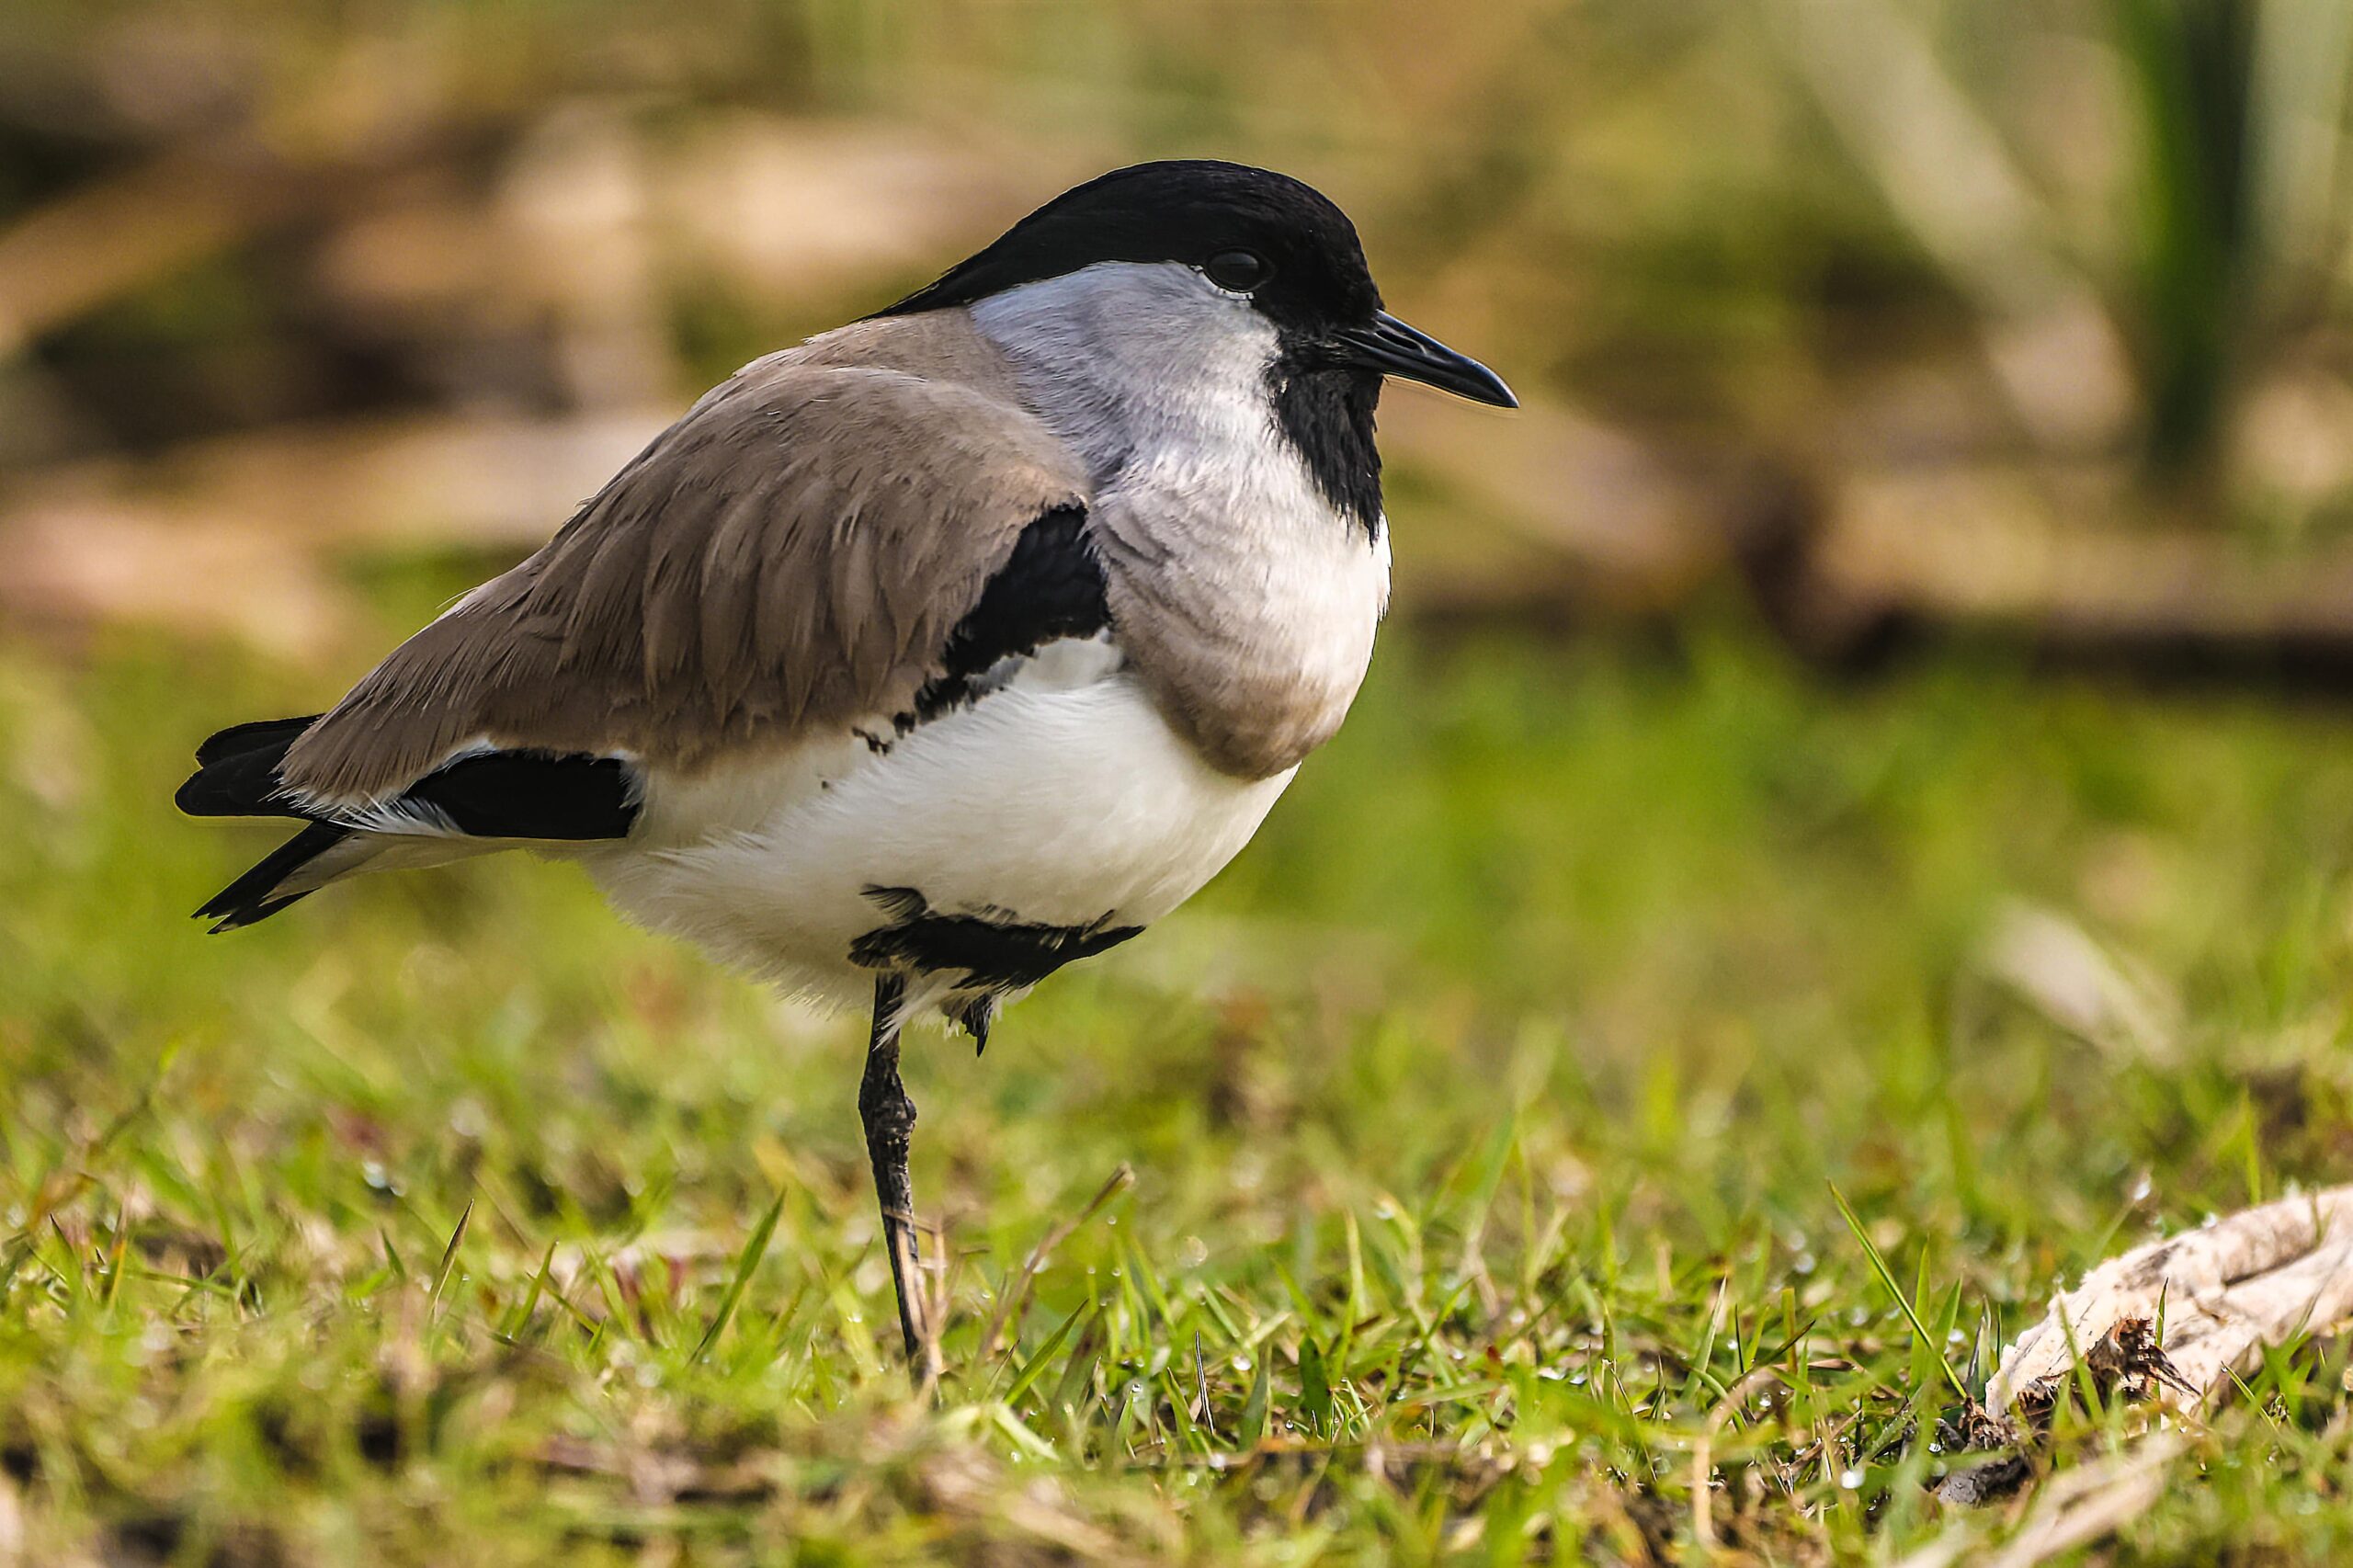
[{"x": 920, "y": 660}]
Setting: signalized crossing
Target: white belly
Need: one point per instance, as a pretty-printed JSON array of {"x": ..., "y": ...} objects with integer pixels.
[{"x": 1060, "y": 805}]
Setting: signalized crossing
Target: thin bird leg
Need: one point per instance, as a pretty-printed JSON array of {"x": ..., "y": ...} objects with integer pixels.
[{"x": 890, "y": 1117}]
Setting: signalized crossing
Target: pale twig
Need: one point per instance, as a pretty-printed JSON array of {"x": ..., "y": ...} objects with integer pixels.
[{"x": 2259, "y": 1278}]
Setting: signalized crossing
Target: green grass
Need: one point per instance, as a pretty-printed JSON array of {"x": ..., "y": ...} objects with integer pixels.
[{"x": 1484, "y": 1121}]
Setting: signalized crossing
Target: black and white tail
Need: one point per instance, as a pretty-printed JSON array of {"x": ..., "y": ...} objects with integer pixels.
[
  {"x": 481, "y": 800},
  {"x": 236, "y": 776}
]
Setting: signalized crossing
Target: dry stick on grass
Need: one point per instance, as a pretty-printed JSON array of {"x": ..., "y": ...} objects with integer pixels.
[
  {"x": 2218, "y": 1296},
  {"x": 2175, "y": 1322},
  {"x": 1019, "y": 1290}
]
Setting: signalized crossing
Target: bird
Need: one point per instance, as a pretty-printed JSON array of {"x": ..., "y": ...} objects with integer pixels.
[{"x": 912, "y": 663}]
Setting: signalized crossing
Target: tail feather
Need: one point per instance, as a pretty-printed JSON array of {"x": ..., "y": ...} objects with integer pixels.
[
  {"x": 237, "y": 771},
  {"x": 236, "y": 776},
  {"x": 255, "y": 895},
  {"x": 475, "y": 804},
  {"x": 274, "y": 733}
]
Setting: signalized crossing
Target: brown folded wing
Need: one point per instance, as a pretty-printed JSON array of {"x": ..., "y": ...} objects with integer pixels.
[{"x": 790, "y": 555}]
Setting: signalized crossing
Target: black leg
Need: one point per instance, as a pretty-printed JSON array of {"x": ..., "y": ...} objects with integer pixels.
[{"x": 890, "y": 1117}]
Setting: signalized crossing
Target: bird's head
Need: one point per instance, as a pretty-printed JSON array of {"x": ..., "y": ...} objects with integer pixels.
[{"x": 1220, "y": 236}]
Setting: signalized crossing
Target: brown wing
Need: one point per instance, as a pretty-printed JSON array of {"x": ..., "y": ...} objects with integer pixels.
[{"x": 791, "y": 555}]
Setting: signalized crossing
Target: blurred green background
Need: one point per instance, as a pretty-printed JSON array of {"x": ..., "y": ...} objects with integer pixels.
[
  {"x": 1874, "y": 716},
  {"x": 1902, "y": 314}
]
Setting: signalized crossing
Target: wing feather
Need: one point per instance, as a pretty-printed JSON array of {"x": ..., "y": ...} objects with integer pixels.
[{"x": 793, "y": 554}]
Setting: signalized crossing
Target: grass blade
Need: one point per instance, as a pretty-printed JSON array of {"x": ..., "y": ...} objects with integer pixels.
[
  {"x": 755, "y": 1248},
  {"x": 1037, "y": 1364},
  {"x": 1887, "y": 1279},
  {"x": 450, "y": 1255},
  {"x": 520, "y": 1318},
  {"x": 1254, "y": 1408},
  {"x": 1019, "y": 1291},
  {"x": 1314, "y": 1387}
]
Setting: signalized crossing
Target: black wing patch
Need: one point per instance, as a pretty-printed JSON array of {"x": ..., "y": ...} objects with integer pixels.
[
  {"x": 1050, "y": 587},
  {"x": 532, "y": 794}
]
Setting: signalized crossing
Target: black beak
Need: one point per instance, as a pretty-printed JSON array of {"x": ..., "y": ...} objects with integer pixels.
[{"x": 1392, "y": 347}]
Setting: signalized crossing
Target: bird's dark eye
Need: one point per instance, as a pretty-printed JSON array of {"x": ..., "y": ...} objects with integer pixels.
[{"x": 1240, "y": 270}]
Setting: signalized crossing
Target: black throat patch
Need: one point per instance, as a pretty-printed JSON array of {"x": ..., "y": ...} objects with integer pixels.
[{"x": 1327, "y": 415}]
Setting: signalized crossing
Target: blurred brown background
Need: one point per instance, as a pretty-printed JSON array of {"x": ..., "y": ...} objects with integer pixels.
[{"x": 2024, "y": 319}]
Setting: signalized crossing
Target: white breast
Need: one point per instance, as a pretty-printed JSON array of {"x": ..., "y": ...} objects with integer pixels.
[{"x": 1063, "y": 800}]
